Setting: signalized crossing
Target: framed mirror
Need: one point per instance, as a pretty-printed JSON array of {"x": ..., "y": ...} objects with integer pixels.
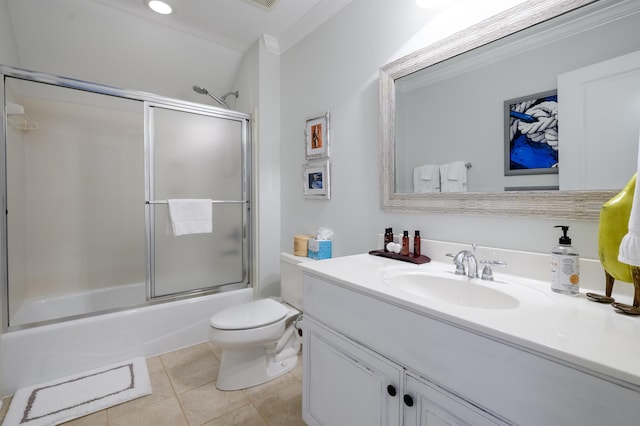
[{"x": 450, "y": 78}]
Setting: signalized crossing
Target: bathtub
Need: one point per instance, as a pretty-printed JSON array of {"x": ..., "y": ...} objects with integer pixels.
[
  {"x": 103, "y": 299},
  {"x": 35, "y": 355}
]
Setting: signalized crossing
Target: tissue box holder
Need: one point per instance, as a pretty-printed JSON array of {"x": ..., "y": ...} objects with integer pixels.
[{"x": 319, "y": 249}]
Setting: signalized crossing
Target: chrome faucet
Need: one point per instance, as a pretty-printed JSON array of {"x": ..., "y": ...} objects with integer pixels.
[{"x": 472, "y": 263}]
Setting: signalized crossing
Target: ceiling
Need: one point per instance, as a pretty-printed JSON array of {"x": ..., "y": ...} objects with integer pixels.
[
  {"x": 124, "y": 44},
  {"x": 237, "y": 24}
]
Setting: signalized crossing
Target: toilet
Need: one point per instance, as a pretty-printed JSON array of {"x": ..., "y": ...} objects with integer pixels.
[{"x": 259, "y": 339}]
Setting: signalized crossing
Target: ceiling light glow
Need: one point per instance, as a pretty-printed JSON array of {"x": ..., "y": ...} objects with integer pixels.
[{"x": 160, "y": 7}]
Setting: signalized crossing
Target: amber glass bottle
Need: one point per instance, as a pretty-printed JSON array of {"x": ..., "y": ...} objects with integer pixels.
[
  {"x": 405, "y": 244},
  {"x": 416, "y": 244},
  {"x": 388, "y": 237}
]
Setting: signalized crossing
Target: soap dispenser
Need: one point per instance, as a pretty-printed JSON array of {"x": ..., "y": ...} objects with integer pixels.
[{"x": 565, "y": 265}]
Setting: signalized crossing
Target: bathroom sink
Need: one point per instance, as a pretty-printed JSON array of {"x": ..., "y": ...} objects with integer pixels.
[{"x": 452, "y": 289}]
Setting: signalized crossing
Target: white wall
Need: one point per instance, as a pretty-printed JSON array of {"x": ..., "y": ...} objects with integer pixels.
[
  {"x": 258, "y": 81},
  {"x": 336, "y": 69},
  {"x": 268, "y": 173},
  {"x": 8, "y": 49},
  {"x": 95, "y": 42}
]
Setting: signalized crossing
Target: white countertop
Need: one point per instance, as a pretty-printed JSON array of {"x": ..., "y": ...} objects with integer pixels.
[{"x": 569, "y": 328}]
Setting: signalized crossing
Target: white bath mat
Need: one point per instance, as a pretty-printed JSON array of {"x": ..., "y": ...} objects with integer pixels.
[{"x": 75, "y": 396}]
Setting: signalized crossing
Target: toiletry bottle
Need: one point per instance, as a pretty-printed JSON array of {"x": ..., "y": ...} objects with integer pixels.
[
  {"x": 565, "y": 266},
  {"x": 405, "y": 244},
  {"x": 388, "y": 237},
  {"x": 416, "y": 244}
]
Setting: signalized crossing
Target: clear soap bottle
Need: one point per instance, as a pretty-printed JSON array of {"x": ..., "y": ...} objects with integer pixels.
[{"x": 565, "y": 266}]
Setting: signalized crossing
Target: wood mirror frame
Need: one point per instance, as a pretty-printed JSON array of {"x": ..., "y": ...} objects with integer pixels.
[{"x": 577, "y": 205}]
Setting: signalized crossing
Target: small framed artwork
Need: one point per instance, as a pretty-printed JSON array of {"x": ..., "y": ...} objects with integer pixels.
[
  {"x": 317, "y": 137},
  {"x": 531, "y": 134},
  {"x": 316, "y": 180}
]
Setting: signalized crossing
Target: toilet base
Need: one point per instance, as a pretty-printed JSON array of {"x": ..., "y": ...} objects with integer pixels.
[{"x": 247, "y": 367}]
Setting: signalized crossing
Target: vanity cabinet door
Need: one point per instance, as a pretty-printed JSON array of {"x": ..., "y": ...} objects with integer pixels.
[
  {"x": 346, "y": 384},
  {"x": 430, "y": 405}
]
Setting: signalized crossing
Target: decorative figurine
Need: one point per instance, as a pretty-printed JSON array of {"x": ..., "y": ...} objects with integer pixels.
[{"x": 614, "y": 225}]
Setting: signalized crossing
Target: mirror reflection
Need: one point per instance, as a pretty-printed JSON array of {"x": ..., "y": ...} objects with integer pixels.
[{"x": 457, "y": 130}]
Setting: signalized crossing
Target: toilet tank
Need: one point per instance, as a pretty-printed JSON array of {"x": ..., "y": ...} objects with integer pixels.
[{"x": 291, "y": 278}]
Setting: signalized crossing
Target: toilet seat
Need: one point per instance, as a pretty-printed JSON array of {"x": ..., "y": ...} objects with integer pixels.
[{"x": 254, "y": 314}]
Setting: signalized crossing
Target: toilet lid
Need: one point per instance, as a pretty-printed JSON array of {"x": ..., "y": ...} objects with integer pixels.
[{"x": 253, "y": 314}]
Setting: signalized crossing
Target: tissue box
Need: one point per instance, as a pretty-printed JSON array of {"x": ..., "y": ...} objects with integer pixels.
[{"x": 319, "y": 249}]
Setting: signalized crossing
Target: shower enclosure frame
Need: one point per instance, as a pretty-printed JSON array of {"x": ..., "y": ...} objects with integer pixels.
[{"x": 149, "y": 101}]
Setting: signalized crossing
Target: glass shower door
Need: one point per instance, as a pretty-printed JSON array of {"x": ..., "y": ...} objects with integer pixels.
[
  {"x": 196, "y": 156},
  {"x": 75, "y": 225}
]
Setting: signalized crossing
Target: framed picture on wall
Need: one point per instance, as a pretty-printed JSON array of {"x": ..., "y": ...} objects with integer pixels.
[
  {"x": 531, "y": 134},
  {"x": 317, "y": 137},
  {"x": 316, "y": 180}
]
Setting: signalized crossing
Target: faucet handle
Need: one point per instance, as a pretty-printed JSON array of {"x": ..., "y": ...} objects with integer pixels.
[
  {"x": 458, "y": 262},
  {"x": 487, "y": 272}
]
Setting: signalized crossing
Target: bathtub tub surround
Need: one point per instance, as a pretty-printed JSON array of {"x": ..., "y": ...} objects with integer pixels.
[
  {"x": 46, "y": 352},
  {"x": 422, "y": 342},
  {"x": 77, "y": 304},
  {"x": 75, "y": 396}
]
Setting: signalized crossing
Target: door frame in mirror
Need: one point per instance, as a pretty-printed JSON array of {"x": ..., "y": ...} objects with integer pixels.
[{"x": 577, "y": 205}]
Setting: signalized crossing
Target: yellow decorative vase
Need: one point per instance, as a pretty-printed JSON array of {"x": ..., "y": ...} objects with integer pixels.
[{"x": 614, "y": 225}]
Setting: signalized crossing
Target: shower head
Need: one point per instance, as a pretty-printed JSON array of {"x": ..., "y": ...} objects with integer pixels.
[{"x": 203, "y": 91}]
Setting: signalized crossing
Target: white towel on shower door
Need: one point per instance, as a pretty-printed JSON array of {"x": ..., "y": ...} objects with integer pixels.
[{"x": 190, "y": 216}]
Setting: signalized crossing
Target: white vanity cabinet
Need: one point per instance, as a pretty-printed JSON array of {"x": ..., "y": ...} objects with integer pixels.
[
  {"x": 347, "y": 384},
  {"x": 358, "y": 342},
  {"x": 426, "y": 404}
]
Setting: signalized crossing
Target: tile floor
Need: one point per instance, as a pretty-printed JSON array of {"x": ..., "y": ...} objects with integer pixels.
[{"x": 184, "y": 393}]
